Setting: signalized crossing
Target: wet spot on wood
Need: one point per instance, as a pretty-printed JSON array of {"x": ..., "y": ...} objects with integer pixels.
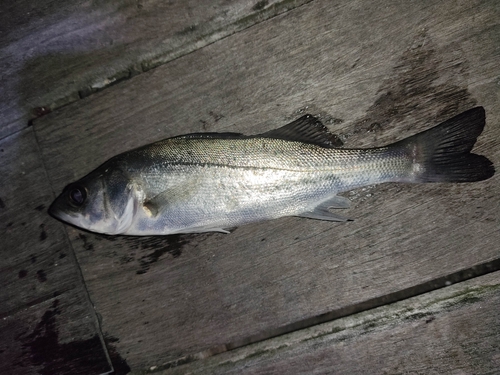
[
  {"x": 43, "y": 349},
  {"x": 417, "y": 91},
  {"x": 41, "y": 111},
  {"x": 260, "y": 5},
  {"x": 41, "y": 276},
  {"x": 119, "y": 364},
  {"x": 43, "y": 233},
  {"x": 375, "y": 127},
  {"x": 86, "y": 244},
  {"x": 22, "y": 274},
  {"x": 165, "y": 245},
  {"x": 44, "y": 337},
  {"x": 187, "y": 30},
  {"x": 171, "y": 245},
  {"x": 33, "y": 258},
  {"x": 126, "y": 259},
  {"x": 215, "y": 116}
]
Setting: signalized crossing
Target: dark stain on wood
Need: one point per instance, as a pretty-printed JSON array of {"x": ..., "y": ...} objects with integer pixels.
[
  {"x": 22, "y": 274},
  {"x": 215, "y": 116},
  {"x": 40, "y": 207},
  {"x": 43, "y": 349},
  {"x": 86, "y": 243},
  {"x": 416, "y": 87},
  {"x": 43, "y": 233},
  {"x": 145, "y": 250},
  {"x": 160, "y": 245},
  {"x": 187, "y": 30},
  {"x": 33, "y": 258},
  {"x": 418, "y": 316},
  {"x": 260, "y": 5},
  {"x": 42, "y": 341},
  {"x": 2, "y": 204},
  {"x": 120, "y": 365},
  {"x": 41, "y": 276},
  {"x": 40, "y": 111}
]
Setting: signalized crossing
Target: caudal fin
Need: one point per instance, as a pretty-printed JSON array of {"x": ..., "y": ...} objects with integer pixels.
[{"x": 442, "y": 153}]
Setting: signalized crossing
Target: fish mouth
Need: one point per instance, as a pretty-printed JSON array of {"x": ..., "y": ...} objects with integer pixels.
[
  {"x": 53, "y": 211},
  {"x": 57, "y": 213}
]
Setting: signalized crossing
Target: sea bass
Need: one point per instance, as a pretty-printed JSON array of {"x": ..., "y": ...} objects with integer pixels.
[{"x": 213, "y": 181}]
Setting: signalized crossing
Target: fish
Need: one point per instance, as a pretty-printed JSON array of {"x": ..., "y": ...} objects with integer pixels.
[{"x": 209, "y": 182}]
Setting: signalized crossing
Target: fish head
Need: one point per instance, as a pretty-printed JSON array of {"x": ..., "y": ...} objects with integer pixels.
[{"x": 102, "y": 202}]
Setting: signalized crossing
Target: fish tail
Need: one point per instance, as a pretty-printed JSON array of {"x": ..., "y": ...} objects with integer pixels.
[{"x": 442, "y": 153}]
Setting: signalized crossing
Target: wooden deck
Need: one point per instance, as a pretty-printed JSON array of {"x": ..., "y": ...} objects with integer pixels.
[{"x": 412, "y": 285}]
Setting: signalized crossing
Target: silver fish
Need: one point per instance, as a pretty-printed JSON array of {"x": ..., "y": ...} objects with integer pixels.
[{"x": 213, "y": 181}]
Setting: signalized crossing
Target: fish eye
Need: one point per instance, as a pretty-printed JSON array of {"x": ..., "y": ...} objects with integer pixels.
[{"x": 77, "y": 195}]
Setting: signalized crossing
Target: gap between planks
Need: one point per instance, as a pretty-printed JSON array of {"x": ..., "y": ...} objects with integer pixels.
[
  {"x": 376, "y": 302},
  {"x": 453, "y": 330},
  {"x": 267, "y": 12}
]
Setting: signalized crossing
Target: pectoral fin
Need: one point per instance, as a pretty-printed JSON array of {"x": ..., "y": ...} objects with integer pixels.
[
  {"x": 322, "y": 211},
  {"x": 168, "y": 198}
]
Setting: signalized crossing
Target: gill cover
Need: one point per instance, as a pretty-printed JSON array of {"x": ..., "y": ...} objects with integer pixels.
[{"x": 103, "y": 201}]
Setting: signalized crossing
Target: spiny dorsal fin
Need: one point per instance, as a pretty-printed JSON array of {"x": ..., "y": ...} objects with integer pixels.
[
  {"x": 306, "y": 129},
  {"x": 213, "y": 135}
]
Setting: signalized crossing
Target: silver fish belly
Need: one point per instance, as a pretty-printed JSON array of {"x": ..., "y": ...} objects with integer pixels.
[{"x": 211, "y": 182}]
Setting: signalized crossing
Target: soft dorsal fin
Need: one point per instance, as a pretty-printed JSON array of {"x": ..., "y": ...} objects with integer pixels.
[{"x": 306, "y": 129}]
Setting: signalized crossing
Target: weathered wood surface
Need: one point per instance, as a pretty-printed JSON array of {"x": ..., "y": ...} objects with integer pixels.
[
  {"x": 53, "y": 53},
  {"x": 375, "y": 74},
  {"x": 455, "y": 330},
  {"x": 47, "y": 325}
]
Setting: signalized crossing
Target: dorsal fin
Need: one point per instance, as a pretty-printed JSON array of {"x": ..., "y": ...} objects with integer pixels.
[
  {"x": 306, "y": 129},
  {"x": 213, "y": 135}
]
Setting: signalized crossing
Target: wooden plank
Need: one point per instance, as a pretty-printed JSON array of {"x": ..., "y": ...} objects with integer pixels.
[
  {"x": 454, "y": 330},
  {"x": 48, "y": 325},
  {"x": 372, "y": 82},
  {"x": 55, "y": 52}
]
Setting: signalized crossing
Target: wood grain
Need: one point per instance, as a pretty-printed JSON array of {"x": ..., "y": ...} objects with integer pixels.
[
  {"x": 454, "y": 330},
  {"x": 48, "y": 325},
  {"x": 56, "y": 52},
  {"x": 374, "y": 82}
]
